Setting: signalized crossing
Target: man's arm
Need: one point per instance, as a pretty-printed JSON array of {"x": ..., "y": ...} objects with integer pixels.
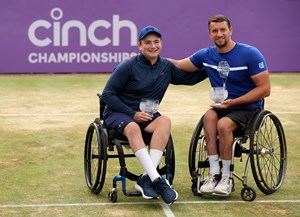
[
  {"x": 114, "y": 86},
  {"x": 184, "y": 64},
  {"x": 262, "y": 90}
]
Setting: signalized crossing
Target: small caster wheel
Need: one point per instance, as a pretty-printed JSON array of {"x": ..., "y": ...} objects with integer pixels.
[
  {"x": 195, "y": 190},
  {"x": 233, "y": 186},
  {"x": 113, "y": 196},
  {"x": 248, "y": 194}
]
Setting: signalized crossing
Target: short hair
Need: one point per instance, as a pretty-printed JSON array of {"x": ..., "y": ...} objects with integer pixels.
[{"x": 219, "y": 18}]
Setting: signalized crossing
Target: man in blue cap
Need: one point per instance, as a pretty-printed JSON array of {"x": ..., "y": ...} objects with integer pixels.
[{"x": 146, "y": 75}]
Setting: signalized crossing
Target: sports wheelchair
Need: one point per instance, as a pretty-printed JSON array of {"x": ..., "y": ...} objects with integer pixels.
[
  {"x": 262, "y": 141},
  {"x": 100, "y": 145}
]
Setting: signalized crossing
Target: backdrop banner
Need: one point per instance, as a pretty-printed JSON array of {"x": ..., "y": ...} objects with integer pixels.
[{"x": 79, "y": 36}]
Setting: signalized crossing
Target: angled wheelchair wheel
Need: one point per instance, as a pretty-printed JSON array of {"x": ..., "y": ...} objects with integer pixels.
[
  {"x": 268, "y": 152},
  {"x": 198, "y": 153},
  {"x": 95, "y": 156},
  {"x": 167, "y": 165}
]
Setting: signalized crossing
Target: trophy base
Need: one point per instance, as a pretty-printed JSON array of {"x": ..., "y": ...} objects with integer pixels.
[{"x": 217, "y": 104}]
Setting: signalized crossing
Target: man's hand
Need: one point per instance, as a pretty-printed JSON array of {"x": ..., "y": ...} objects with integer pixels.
[
  {"x": 224, "y": 105},
  {"x": 142, "y": 117}
]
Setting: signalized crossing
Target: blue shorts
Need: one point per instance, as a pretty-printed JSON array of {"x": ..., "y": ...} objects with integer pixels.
[{"x": 118, "y": 121}]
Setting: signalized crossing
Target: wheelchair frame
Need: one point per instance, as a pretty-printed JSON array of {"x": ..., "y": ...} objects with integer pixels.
[
  {"x": 100, "y": 142},
  {"x": 266, "y": 155}
]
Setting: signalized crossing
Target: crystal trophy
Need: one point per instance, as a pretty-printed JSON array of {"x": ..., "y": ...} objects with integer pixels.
[
  {"x": 218, "y": 95},
  {"x": 149, "y": 105}
]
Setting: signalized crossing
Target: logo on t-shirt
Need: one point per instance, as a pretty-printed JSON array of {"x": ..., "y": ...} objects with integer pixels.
[{"x": 261, "y": 65}]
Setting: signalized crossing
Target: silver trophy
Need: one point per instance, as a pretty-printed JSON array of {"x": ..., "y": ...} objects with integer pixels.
[
  {"x": 218, "y": 94},
  {"x": 149, "y": 105}
]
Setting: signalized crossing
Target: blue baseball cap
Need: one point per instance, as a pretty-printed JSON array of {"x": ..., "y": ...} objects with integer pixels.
[{"x": 149, "y": 29}]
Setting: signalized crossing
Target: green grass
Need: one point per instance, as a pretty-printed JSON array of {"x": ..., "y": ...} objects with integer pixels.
[{"x": 44, "y": 119}]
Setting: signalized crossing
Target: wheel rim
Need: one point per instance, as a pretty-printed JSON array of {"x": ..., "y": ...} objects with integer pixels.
[
  {"x": 268, "y": 154},
  {"x": 194, "y": 147},
  {"x": 198, "y": 153},
  {"x": 91, "y": 157},
  {"x": 95, "y": 157},
  {"x": 166, "y": 167}
]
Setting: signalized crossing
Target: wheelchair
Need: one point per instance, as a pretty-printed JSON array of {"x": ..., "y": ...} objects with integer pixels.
[
  {"x": 102, "y": 144},
  {"x": 264, "y": 144}
]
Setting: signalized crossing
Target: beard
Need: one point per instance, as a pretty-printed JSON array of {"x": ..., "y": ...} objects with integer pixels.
[{"x": 221, "y": 45}]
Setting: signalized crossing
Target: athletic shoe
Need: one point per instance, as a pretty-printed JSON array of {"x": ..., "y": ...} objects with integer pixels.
[
  {"x": 145, "y": 186},
  {"x": 223, "y": 187},
  {"x": 209, "y": 184},
  {"x": 164, "y": 189}
]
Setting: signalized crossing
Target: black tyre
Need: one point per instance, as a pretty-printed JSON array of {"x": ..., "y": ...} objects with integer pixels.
[
  {"x": 198, "y": 153},
  {"x": 95, "y": 156},
  {"x": 167, "y": 166},
  {"x": 268, "y": 152},
  {"x": 195, "y": 189},
  {"x": 113, "y": 196},
  {"x": 248, "y": 194}
]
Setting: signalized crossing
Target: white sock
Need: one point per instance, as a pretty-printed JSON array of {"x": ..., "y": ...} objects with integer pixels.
[
  {"x": 226, "y": 168},
  {"x": 214, "y": 166},
  {"x": 155, "y": 156},
  {"x": 146, "y": 162}
]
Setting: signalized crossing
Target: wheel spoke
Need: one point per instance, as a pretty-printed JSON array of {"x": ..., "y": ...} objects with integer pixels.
[{"x": 268, "y": 160}]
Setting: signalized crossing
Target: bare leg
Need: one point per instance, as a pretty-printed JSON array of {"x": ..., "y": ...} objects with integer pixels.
[
  {"x": 160, "y": 129},
  {"x": 225, "y": 129},
  {"x": 134, "y": 135},
  {"x": 210, "y": 127}
]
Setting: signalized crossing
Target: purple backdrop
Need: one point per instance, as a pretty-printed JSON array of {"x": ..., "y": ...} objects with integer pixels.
[{"x": 95, "y": 35}]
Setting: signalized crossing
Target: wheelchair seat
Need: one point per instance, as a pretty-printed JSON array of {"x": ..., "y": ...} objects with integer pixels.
[
  {"x": 100, "y": 145},
  {"x": 112, "y": 134}
]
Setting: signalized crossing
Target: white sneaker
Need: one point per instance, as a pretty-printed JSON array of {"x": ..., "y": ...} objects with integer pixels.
[
  {"x": 223, "y": 187},
  {"x": 209, "y": 184}
]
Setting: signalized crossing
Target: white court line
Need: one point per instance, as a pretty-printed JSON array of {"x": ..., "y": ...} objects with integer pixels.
[
  {"x": 97, "y": 114},
  {"x": 167, "y": 210},
  {"x": 142, "y": 203}
]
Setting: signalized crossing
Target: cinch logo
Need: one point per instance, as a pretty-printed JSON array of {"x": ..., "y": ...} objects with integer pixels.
[{"x": 60, "y": 31}]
